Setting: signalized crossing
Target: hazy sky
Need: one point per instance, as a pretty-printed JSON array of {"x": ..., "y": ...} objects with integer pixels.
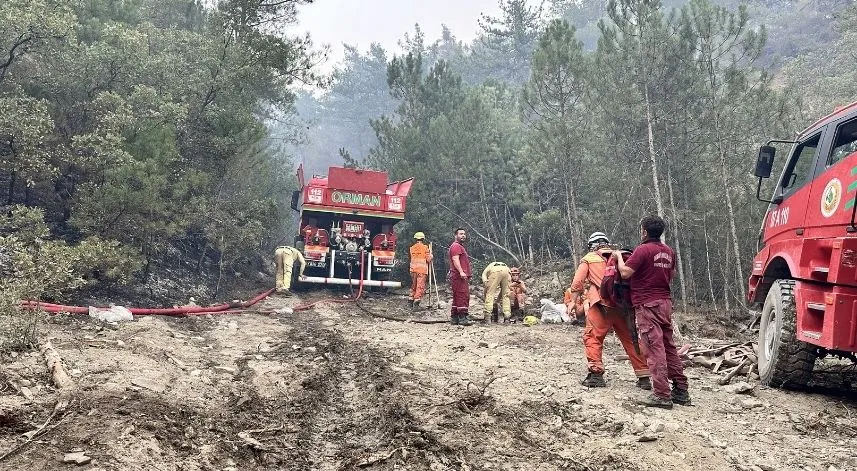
[{"x": 361, "y": 22}]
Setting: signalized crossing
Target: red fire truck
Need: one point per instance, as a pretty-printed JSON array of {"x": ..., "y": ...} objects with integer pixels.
[
  {"x": 805, "y": 272},
  {"x": 346, "y": 226}
]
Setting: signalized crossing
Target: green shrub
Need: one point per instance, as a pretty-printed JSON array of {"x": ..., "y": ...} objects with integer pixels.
[{"x": 33, "y": 266}]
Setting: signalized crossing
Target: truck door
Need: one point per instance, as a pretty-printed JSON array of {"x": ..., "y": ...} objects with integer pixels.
[
  {"x": 833, "y": 198},
  {"x": 786, "y": 220}
]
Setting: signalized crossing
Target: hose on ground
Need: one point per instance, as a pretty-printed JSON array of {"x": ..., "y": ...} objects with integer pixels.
[
  {"x": 183, "y": 311},
  {"x": 352, "y": 299},
  {"x": 234, "y": 307},
  {"x": 400, "y": 319}
]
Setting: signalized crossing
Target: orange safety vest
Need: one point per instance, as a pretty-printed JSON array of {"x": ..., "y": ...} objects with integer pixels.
[{"x": 420, "y": 256}]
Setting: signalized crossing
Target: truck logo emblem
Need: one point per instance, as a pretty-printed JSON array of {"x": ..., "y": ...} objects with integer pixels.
[{"x": 830, "y": 197}]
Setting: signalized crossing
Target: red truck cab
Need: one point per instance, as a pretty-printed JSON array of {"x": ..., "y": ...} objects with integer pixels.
[
  {"x": 346, "y": 225},
  {"x": 805, "y": 273}
]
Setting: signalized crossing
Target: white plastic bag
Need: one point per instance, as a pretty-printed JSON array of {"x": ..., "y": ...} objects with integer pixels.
[
  {"x": 111, "y": 314},
  {"x": 553, "y": 313}
]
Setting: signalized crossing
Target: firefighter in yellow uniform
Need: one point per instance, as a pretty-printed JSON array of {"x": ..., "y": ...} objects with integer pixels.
[
  {"x": 420, "y": 259},
  {"x": 497, "y": 276},
  {"x": 286, "y": 258}
]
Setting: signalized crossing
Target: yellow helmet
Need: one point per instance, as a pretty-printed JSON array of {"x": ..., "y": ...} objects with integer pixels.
[{"x": 419, "y": 236}]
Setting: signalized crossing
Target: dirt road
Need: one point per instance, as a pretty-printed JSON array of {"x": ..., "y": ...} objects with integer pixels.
[{"x": 332, "y": 388}]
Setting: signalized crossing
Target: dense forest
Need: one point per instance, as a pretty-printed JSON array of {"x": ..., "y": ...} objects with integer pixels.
[
  {"x": 142, "y": 135},
  {"x": 134, "y": 135}
]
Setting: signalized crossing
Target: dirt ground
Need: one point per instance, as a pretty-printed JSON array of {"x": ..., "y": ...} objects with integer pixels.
[{"x": 333, "y": 388}]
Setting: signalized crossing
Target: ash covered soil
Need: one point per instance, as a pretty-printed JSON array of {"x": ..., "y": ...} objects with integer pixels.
[{"x": 334, "y": 388}]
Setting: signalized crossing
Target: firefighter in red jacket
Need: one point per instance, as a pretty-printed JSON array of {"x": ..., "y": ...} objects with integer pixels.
[{"x": 649, "y": 271}]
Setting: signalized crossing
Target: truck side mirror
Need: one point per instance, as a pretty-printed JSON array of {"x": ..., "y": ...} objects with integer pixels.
[
  {"x": 296, "y": 198},
  {"x": 765, "y": 161}
]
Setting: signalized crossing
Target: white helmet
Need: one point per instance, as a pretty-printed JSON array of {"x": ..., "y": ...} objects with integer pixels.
[{"x": 598, "y": 238}]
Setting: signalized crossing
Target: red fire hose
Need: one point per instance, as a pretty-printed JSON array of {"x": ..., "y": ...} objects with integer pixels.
[
  {"x": 225, "y": 308},
  {"x": 234, "y": 307},
  {"x": 305, "y": 307}
]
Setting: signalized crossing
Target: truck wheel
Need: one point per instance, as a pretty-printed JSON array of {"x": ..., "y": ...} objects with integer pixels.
[{"x": 784, "y": 361}]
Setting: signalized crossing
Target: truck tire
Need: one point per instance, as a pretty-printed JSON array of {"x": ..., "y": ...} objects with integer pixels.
[{"x": 784, "y": 361}]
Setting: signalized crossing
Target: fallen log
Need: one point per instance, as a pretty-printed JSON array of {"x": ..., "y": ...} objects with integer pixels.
[
  {"x": 63, "y": 382},
  {"x": 735, "y": 370},
  {"x": 717, "y": 365},
  {"x": 713, "y": 351}
]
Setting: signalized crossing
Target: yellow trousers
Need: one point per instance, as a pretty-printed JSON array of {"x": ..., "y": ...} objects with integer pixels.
[
  {"x": 285, "y": 262},
  {"x": 498, "y": 280}
]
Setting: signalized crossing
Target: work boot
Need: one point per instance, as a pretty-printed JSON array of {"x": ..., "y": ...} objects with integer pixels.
[
  {"x": 286, "y": 293},
  {"x": 594, "y": 380},
  {"x": 411, "y": 303},
  {"x": 681, "y": 397},
  {"x": 644, "y": 383},
  {"x": 453, "y": 320},
  {"x": 415, "y": 305},
  {"x": 495, "y": 317},
  {"x": 655, "y": 401},
  {"x": 464, "y": 319}
]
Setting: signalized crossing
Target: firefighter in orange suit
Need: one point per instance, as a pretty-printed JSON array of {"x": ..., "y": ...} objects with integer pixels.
[
  {"x": 517, "y": 291},
  {"x": 601, "y": 319},
  {"x": 574, "y": 305},
  {"x": 420, "y": 259}
]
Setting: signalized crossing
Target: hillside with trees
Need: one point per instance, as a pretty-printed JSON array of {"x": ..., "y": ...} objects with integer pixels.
[
  {"x": 155, "y": 313},
  {"x": 141, "y": 136},
  {"x": 134, "y": 136},
  {"x": 606, "y": 111}
]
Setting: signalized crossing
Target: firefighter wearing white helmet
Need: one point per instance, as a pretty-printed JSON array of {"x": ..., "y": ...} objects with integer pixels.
[
  {"x": 420, "y": 259},
  {"x": 600, "y": 318},
  {"x": 597, "y": 239}
]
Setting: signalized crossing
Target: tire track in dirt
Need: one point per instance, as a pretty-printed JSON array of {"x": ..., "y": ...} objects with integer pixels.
[
  {"x": 350, "y": 414},
  {"x": 331, "y": 389},
  {"x": 539, "y": 417}
]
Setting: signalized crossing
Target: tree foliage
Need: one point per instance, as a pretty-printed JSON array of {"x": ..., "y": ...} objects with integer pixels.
[
  {"x": 662, "y": 117},
  {"x": 133, "y": 133},
  {"x": 143, "y": 125}
]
